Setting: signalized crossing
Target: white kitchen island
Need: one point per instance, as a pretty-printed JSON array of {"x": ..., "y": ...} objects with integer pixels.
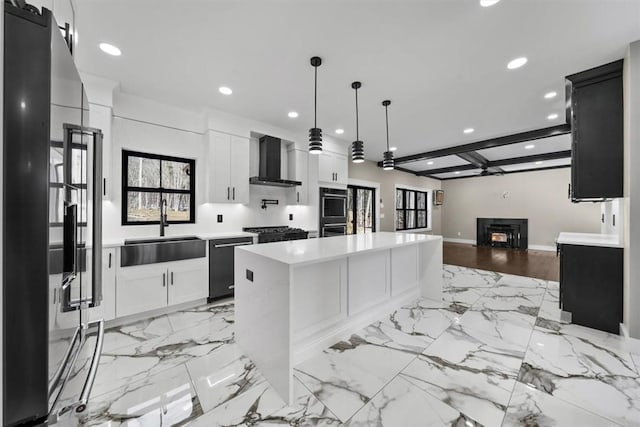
[{"x": 293, "y": 299}]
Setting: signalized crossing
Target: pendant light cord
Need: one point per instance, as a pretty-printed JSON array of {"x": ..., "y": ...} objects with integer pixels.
[
  {"x": 357, "y": 121},
  {"x": 386, "y": 115},
  {"x": 315, "y": 98}
]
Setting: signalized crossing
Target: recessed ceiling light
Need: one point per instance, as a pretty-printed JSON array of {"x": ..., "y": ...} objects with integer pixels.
[
  {"x": 393, "y": 148},
  {"x": 430, "y": 162},
  {"x": 225, "y": 90},
  {"x": 292, "y": 114},
  {"x": 539, "y": 162},
  {"x": 110, "y": 49},
  {"x": 552, "y": 116},
  {"x": 529, "y": 147},
  {"x": 468, "y": 130},
  {"x": 516, "y": 63},
  {"x": 457, "y": 172},
  {"x": 339, "y": 131},
  {"x": 487, "y": 3},
  {"x": 550, "y": 95}
]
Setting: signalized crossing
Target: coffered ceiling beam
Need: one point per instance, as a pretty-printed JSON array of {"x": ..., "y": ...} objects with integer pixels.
[
  {"x": 534, "y": 158},
  {"x": 507, "y": 172},
  {"x": 488, "y": 143}
]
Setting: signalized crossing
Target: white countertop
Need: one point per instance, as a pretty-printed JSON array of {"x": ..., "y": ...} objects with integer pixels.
[
  {"x": 591, "y": 239},
  {"x": 328, "y": 248},
  {"x": 110, "y": 243}
]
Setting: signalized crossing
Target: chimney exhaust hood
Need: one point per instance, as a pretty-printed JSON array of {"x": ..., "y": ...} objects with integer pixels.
[{"x": 269, "y": 168}]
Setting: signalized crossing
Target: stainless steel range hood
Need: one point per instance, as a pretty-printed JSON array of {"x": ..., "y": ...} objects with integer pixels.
[{"x": 269, "y": 168}]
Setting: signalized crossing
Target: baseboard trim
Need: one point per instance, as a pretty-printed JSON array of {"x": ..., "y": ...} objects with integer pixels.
[
  {"x": 473, "y": 242},
  {"x": 542, "y": 248},
  {"x": 452, "y": 240}
]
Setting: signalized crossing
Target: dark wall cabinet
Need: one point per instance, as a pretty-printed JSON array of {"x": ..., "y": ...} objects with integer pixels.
[
  {"x": 591, "y": 286},
  {"x": 595, "y": 112}
]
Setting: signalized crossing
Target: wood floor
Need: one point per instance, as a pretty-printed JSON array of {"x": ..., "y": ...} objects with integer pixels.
[{"x": 539, "y": 264}]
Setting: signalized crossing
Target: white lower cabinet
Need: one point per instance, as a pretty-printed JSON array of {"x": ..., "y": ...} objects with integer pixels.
[
  {"x": 369, "y": 280},
  {"x": 153, "y": 286},
  {"x": 188, "y": 281},
  {"x": 107, "y": 308},
  {"x": 141, "y": 288}
]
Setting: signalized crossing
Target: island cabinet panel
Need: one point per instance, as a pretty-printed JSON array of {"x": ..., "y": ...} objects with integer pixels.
[
  {"x": 404, "y": 269},
  {"x": 263, "y": 318},
  {"x": 320, "y": 295},
  {"x": 368, "y": 280}
]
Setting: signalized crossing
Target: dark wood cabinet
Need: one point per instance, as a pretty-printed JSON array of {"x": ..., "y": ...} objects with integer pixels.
[
  {"x": 595, "y": 112},
  {"x": 591, "y": 285}
]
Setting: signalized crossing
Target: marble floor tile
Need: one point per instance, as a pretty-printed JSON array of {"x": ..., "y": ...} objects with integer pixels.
[
  {"x": 523, "y": 300},
  {"x": 530, "y": 407},
  {"x": 636, "y": 360},
  {"x": 222, "y": 375},
  {"x": 345, "y": 376},
  {"x": 402, "y": 403},
  {"x": 189, "y": 318},
  {"x": 599, "y": 379},
  {"x": 481, "y": 353},
  {"x": 454, "y": 276},
  {"x": 136, "y": 333},
  {"x": 415, "y": 326},
  {"x": 521, "y": 281},
  {"x": 470, "y": 391},
  {"x": 509, "y": 329},
  {"x": 164, "y": 399},
  {"x": 461, "y": 296},
  {"x": 262, "y": 406},
  {"x": 135, "y": 362}
]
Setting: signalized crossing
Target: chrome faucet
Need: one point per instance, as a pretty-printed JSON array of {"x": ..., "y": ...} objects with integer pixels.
[{"x": 163, "y": 217}]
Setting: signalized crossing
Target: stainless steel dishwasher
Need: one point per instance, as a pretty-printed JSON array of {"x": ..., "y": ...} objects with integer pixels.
[{"x": 221, "y": 259}]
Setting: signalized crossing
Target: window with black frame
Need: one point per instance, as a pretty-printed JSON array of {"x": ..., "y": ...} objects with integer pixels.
[
  {"x": 411, "y": 209},
  {"x": 147, "y": 179}
]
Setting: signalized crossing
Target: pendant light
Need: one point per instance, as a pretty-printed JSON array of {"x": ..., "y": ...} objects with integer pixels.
[
  {"x": 357, "y": 146},
  {"x": 387, "y": 162},
  {"x": 315, "y": 133}
]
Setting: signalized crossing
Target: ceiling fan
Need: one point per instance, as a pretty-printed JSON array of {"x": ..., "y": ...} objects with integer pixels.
[{"x": 487, "y": 171}]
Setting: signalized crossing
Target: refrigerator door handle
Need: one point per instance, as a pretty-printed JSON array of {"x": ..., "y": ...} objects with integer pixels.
[{"x": 81, "y": 405}]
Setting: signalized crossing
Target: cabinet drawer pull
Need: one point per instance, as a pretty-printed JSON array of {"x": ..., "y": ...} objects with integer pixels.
[
  {"x": 298, "y": 196},
  {"x": 172, "y": 278},
  {"x": 164, "y": 278},
  {"x": 109, "y": 259},
  {"x": 227, "y": 193},
  {"x": 234, "y": 193}
]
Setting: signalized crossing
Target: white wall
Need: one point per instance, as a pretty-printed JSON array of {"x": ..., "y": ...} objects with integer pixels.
[
  {"x": 148, "y": 126},
  {"x": 540, "y": 196},
  {"x": 631, "y": 316},
  {"x": 369, "y": 171}
]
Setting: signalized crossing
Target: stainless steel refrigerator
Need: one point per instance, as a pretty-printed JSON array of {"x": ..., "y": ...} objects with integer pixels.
[{"x": 51, "y": 224}]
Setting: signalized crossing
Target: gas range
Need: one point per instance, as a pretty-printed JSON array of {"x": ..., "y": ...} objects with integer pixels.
[{"x": 277, "y": 234}]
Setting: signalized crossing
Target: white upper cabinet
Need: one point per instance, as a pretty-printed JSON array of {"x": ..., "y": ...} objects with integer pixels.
[
  {"x": 227, "y": 168},
  {"x": 333, "y": 168},
  {"x": 298, "y": 168}
]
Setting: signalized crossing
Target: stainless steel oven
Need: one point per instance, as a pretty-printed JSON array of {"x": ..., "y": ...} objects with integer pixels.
[
  {"x": 329, "y": 230},
  {"x": 333, "y": 203},
  {"x": 333, "y": 212}
]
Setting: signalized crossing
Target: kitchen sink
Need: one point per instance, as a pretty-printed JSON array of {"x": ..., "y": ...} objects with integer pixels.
[
  {"x": 152, "y": 251},
  {"x": 160, "y": 240}
]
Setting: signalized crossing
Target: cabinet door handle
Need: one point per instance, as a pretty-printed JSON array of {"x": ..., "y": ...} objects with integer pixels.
[
  {"x": 172, "y": 278},
  {"x": 104, "y": 186},
  {"x": 164, "y": 278},
  {"x": 602, "y": 219},
  {"x": 227, "y": 193},
  {"x": 298, "y": 198},
  {"x": 109, "y": 259},
  {"x": 234, "y": 193},
  {"x": 569, "y": 192},
  {"x": 614, "y": 220}
]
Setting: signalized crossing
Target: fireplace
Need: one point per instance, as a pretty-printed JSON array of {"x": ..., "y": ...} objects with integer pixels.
[{"x": 502, "y": 233}]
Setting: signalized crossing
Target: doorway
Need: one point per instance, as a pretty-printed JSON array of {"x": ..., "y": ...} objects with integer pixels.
[{"x": 361, "y": 209}]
